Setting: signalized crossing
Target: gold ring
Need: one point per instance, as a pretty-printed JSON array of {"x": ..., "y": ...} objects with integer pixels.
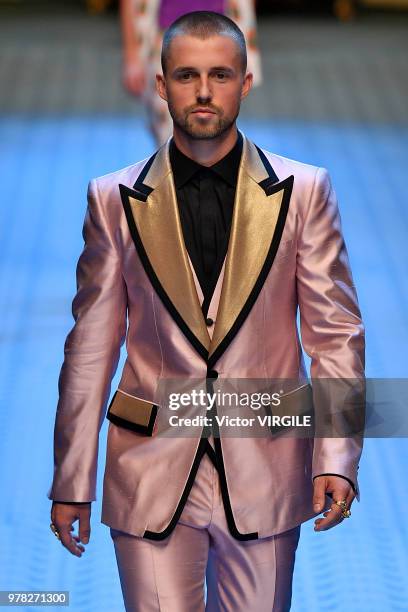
[
  {"x": 55, "y": 531},
  {"x": 345, "y": 512},
  {"x": 342, "y": 503}
]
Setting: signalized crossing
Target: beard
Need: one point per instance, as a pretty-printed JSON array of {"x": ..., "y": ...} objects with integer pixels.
[{"x": 205, "y": 130}]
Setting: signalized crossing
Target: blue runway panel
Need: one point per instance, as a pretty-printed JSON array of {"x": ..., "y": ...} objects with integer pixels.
[{"x": 46, "y": 163}]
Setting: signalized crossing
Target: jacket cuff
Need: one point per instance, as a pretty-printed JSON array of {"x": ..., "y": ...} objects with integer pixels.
[{"x": 353, "y": 486}]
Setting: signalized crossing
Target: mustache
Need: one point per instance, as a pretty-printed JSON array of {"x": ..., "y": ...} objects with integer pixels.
[{"x": 214, "y": 109}]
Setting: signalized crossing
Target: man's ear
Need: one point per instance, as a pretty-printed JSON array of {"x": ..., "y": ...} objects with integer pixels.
[
  {"x": 161, "y": 86},
  {"x": 247, "y": 84}
]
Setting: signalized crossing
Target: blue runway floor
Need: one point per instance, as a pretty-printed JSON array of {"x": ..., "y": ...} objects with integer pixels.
[{"x": 45, "y": 165}]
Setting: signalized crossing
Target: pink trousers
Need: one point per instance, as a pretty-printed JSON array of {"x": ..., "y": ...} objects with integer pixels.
[{"x": 241, "y": 576}]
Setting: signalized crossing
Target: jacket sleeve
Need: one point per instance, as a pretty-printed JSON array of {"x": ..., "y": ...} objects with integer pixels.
[
  {"x": 91, "y": 355},
  {"x": 332, "y": 334}
]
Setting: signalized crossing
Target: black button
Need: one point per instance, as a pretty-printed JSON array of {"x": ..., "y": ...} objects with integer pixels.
[
  {"x": 212, "y": 374},
  {"x": 209, "y": 321}
]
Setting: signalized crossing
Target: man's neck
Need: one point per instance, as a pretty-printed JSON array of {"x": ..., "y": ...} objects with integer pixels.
[{"x": 206, "y": 152}]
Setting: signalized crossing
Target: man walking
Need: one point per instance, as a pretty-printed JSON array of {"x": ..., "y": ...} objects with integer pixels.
[{"x": 208, "y": 247}]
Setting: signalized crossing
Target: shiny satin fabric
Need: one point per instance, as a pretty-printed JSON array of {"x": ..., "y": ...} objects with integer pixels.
[
  {"x": 169, "y": 575},
  {"x": 269, "y": 480}
]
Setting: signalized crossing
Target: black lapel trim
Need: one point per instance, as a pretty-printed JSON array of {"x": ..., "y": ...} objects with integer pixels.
[
  {"x": 161, "y": 535},
  {"x": 211, "y": 453},
  {"x": 270, "y": 180},
  {"x": 140, "y": 188},
  {"x": 142, "y": 192},
  {"x": 142, "y": 175},
  {"x": 272, "y": 176},
  {"x": 225, "y": 497},
  {"x": 287, "y": 185},
  {"x": 125, "y": 193},
  {"x": 218, "y": 461}
]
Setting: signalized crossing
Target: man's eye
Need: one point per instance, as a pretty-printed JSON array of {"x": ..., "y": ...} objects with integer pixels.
[
  {"x": 185, "y": 76},
  {"x": 221, "y": 75}
]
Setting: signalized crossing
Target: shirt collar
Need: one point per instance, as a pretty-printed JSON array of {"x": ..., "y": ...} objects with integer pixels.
[{"x": 184, "y": 167}]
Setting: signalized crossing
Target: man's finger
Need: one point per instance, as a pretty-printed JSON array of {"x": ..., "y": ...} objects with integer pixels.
[
  {"x": 64, "y": 530},
  {"x": 84, "y": 526},
  {"x": 319, "y": 491},
  {"x": 334, "y": 516},
  {"x": 331, "y": 518}
]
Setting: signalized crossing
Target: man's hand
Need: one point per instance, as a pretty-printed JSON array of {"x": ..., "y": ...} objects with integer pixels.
[
  {"x": 339, "y": 489},
  {"x": 63, "y": 515}
]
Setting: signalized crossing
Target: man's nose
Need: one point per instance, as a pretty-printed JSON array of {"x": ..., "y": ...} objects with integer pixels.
[{"x": 204, "y": 91}]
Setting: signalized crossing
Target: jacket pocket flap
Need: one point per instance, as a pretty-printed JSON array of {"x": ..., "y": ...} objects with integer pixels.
[
  {"x": 294, "y": 413},
  {"x": 132, "y": 413}
]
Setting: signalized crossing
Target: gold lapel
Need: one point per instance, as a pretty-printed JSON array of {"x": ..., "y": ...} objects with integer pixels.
[
  {"x": 166, "y": 259},
  {"x": 257, "y": 223}
]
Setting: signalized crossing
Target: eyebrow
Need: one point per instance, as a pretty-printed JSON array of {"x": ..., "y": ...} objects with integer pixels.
[{"x": 193, "y": 69}]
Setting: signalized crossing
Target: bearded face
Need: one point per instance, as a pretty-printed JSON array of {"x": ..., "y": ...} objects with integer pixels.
[{"x": 204, "y": 85}]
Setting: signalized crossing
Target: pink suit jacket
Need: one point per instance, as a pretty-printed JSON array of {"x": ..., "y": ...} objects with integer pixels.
[{"x": 286, "y": 252}]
